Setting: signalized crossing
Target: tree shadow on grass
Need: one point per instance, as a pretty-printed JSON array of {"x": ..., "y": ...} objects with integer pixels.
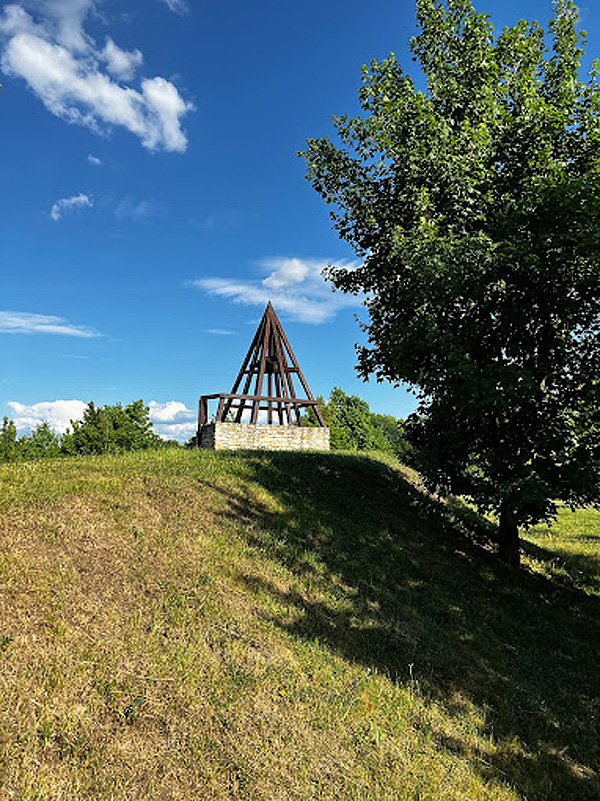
[
  {"x": 570, "y": 569},
  {"x": 519, "y": 645}
]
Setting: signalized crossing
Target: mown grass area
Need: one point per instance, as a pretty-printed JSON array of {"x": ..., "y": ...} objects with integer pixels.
[
  {"x": 196, "y": 625},
  {"x": 568, "y": 549}
]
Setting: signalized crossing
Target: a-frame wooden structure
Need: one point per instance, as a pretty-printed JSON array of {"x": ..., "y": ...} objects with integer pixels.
[{"x": 269, "y": 365}]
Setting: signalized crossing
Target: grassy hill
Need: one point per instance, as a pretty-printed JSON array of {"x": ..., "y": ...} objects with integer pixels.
[{"x": 192, "y": 625}]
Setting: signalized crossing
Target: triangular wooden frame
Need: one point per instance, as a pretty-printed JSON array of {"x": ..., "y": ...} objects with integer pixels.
[{"x": 270, "y": 359}]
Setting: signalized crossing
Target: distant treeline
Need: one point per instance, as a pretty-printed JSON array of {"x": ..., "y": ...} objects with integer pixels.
[
  {"x": 354, "y": 427},
  {"x": 115, "y": 429},
  {"x": 103, "y": 429}
]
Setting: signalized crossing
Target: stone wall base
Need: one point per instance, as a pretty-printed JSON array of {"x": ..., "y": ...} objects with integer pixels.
[{"x": 239, "y": 436}]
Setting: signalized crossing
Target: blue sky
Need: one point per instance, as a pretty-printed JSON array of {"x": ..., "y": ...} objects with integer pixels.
[{"x": 152, "y": 200}]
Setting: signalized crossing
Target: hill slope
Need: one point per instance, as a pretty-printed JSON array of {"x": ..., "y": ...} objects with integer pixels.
[{"x": 281, "y": 626}]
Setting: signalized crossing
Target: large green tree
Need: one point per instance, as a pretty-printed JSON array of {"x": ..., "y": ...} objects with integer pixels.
[{"x": 474, "y": 204}]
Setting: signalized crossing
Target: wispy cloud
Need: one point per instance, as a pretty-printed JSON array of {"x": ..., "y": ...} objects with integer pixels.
[
  {"x": 84, "y": 83},
  {"x": 219, "y": 332},
  {"x": 222, "y": 220},
  {"x": 12, "y": 322},
  {"x": 58, "y": 414},
  {"x": 177, "y": 6},
  {"x": 294, "y": 286},
  {"x": 69, "y": 203},
  {"x": 94, "y": 160},
  {"x": 136, "y": 210}
]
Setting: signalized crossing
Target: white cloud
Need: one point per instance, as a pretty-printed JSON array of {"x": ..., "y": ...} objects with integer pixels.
[
  {"x": 121, "y": 64},
  {"x": 219, "y": 332},
  {"x": 179, "y": 431},
  {"x": 164, "y": 109},
  {"x": 12, "y": 322},
  {"x": 67, "y": 203},
  {"x": 58, "y": 414},
  {"x": 94, "y": 160},
  {"x": 64, "y": 21},
  {"x": 169, "y": 412},
  {"x": 172, "y": 420},
  {"x": 294, "y": 286},
  {"x": 287, "y": 273},
  {"x": 64, "y": 67},
  {"x": 17, "y": 20}
]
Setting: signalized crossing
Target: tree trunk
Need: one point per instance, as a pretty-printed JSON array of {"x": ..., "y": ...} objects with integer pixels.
[{"x": 508, "y": 537}]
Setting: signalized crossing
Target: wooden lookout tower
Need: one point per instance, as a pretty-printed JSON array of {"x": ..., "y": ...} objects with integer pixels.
[{"x": 264, "y": 407}]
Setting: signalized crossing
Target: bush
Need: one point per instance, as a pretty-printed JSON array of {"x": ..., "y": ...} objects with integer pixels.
[{"x": 111, "y": 429}]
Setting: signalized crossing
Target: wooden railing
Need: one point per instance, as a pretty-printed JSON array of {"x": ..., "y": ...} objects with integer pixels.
[{"x": 273, "y": 405}]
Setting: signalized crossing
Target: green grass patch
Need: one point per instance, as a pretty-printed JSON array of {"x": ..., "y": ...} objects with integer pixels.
[
  {"x": 568, "y": 548},
  {"x": 292, "y": 626}
]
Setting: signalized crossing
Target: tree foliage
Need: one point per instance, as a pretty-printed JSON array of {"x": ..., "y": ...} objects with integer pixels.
[
  {"x": 8, "y": 440},
  {"x": 354, "y": 427},
  {"x": 42, "y": 443},
  {"x": 475, "y": 205},
  {"x": 103, "y": 429},
  {"x": 111, "y": 429}
]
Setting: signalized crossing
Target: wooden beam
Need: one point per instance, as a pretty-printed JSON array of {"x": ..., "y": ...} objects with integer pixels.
[{"x": 268, "y": 354}]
